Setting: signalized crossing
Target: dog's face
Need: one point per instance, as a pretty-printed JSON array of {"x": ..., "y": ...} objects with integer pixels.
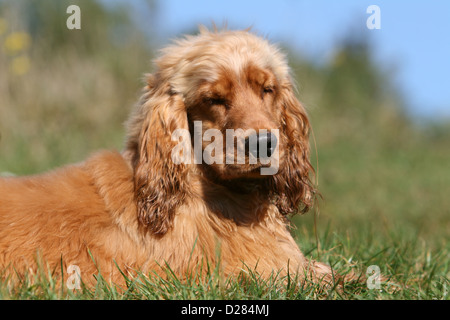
[
  {"x": 232, "y": 94},
  {"x": 235, "y": 84},
  {"x": 242, "y": 110}
]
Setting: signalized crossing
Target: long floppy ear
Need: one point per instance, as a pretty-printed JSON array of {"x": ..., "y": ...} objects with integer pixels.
[
  {"x": 160, "y": 183},
  {"x": 292, "y": 185}
]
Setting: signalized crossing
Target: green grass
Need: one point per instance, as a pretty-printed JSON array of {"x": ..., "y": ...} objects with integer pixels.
[{"x": 414, "y": 272}]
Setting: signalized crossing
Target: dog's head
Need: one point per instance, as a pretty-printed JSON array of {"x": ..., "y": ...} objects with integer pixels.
[{"x": 223, "y": 102}]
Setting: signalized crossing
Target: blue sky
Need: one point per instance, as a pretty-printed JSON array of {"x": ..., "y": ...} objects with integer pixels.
[{"x": 413, "y": 42}]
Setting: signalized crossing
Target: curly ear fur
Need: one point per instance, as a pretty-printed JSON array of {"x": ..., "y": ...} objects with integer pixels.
[
  {"x": 292, "y": 185},
  {"x": 159, "y": 182}
]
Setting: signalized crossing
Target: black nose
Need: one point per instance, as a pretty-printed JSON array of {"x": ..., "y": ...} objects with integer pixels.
[{"x": 261, "y": 145}]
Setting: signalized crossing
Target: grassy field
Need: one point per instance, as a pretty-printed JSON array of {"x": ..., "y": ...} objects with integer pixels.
[{"x": 383, "y": 175}]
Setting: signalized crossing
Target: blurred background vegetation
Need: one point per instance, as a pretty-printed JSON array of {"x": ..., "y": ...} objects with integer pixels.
[{"x": 66, "y": 93}]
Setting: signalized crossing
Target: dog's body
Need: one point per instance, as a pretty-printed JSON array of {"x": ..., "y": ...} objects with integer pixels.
[
  {"x": 138, "y": 211},
  {"x": 86, "y": 215}
]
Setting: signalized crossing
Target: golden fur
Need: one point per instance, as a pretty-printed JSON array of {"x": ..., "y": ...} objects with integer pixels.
[{"x": 140, "y": 210}]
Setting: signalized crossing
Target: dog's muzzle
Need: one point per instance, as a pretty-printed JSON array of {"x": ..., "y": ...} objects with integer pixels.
[{"x": 261, "y": 146}]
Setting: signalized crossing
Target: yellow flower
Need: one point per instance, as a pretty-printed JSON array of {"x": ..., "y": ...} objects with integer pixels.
[
  {"x": 20, "y": 65},
  {"x": 16, "y": 42},
  {"x": 3, "y": 26}
]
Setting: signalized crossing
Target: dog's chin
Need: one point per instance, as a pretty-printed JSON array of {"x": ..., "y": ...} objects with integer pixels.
[{"x": 233, "y": 172}]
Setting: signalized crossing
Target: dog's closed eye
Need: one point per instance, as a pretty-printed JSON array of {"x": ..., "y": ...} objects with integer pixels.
[
  {"x": 217, "y": 101},
  {"x": 269, "y": 89}
]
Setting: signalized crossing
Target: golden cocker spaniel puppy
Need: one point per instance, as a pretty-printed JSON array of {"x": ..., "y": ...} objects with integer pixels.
[{"x": 216, "y": 156}]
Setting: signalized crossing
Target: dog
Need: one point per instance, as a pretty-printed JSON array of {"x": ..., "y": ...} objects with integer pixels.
[{"x": 158, "y": 202}]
